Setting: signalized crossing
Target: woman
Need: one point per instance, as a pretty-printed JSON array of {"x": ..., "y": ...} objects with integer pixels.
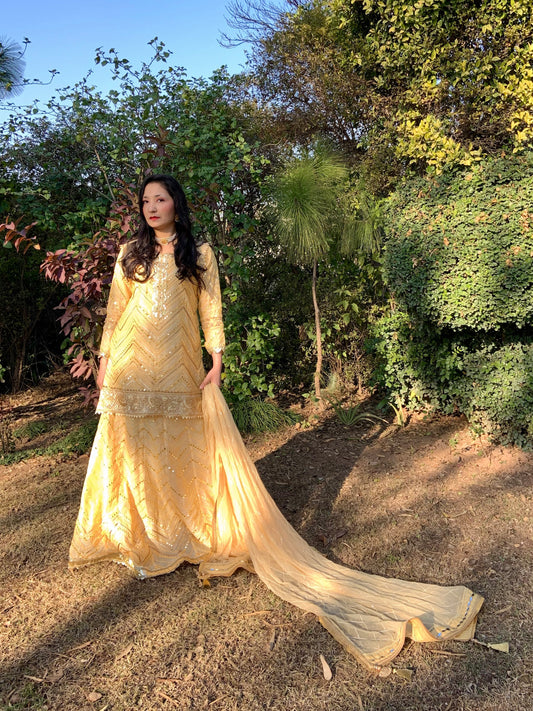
[{"x": 169, "y": 478}]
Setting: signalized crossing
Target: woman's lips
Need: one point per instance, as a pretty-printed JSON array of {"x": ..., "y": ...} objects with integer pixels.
[{"x": 154, "y": 218}]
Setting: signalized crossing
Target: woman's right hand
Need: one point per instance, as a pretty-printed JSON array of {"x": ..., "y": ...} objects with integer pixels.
[{"x": 101, "y": 372}]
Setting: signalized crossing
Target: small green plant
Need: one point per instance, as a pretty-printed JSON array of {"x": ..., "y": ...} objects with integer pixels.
[
  {"x": 399, "y": 412},
  {"x": 254, "y": 415},
  {"x": 334, "y": 387},
  {"x": 350, "y": 416},
  {"x": 30, "y": 430},
  {"x": 453, "y": 442}
]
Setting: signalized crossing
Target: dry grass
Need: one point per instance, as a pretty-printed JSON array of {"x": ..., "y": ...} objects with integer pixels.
[{"x": 422, "y": 503}]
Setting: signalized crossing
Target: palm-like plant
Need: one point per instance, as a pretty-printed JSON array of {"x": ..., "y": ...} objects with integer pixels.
[
  {"x": 12, "y": 67},
  {"x": 314, "y": 207},
  {"x": 308, "y": 217}
]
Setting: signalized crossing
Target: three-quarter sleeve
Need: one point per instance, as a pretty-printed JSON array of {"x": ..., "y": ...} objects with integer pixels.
[
  {"x": 119, "y": 296},
  {"x": 210, "y": 303}
]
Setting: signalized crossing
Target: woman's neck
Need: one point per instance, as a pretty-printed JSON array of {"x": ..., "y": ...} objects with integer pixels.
[{"x": 165, "y": 242}]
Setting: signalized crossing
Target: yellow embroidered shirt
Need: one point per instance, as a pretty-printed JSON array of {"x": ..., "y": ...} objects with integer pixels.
[{"x": 152, "y": 336}]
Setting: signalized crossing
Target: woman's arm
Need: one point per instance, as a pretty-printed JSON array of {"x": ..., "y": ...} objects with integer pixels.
[
  {"x": 101, "y": 372},
  {"x": 210, "y": 309},
  {"x": 213, "y": 375}
]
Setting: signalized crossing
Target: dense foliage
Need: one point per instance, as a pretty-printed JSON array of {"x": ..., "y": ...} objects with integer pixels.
[
  {"x": 458, "y": 260},
  {"x": 430, "y": 105},
  {"x": 396, "y": 83},
  {"x": 66, "y": 167},
  {"x": 460, "y": 248}
]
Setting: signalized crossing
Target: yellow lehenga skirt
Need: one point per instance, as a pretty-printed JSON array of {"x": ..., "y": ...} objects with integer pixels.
[{"x": 162, "y": 490}]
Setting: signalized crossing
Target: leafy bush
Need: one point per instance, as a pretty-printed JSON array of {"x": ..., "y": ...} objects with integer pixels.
[
  {"x": 88, "y": 273},
  {"x": 418, "y": 362},
  {"x": 459, "y": 263},
  {"x": 249, "y": 356},
  {"x": 488, "y": 377},
  {"x": 459, "y": 250},
  {"x": 496, "y": 393}
]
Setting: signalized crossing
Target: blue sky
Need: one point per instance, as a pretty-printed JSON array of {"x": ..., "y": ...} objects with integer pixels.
[{"x": 64, "y": 36}]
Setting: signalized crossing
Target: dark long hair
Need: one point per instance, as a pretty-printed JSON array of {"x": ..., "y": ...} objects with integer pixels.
[{"x": 142, "y": 250}]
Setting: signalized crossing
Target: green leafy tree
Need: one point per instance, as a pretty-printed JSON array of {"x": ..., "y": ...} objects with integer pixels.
[
  {"x": 306, "y": 194},
  {"x": 396, "y": 83},
  {"x": 65, "y": 167}
]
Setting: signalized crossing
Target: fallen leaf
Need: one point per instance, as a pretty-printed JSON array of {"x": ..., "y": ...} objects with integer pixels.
[
  {"x": 499, "y": 647},
  {"x": 326, "y": 671},
  {"x": 406, "y": 674}
]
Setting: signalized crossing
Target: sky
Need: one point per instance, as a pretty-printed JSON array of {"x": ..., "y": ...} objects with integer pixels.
[{"x": 64, "y": 36}]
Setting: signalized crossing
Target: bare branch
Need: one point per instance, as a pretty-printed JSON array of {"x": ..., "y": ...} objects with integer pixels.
[{"x": 252, "y": 20}]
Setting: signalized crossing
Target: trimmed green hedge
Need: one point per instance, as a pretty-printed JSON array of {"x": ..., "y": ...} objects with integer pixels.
[
  {"x": 459, "y": 263},
  {"x": 496, "y": 393},
  {"x": 488, "y": 380},
  {"x": 459, "y": 250}
]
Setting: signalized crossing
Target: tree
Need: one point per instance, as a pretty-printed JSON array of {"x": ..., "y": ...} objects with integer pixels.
[
  {"x": 398, "y": 84},
  {"x": 12, "y": 67},
  {"x": 307, "y": 217},
  {"x": 65, "y": 167}
]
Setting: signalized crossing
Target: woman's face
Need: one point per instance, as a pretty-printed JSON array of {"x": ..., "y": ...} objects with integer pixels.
[{"x": 158, "y": 209}]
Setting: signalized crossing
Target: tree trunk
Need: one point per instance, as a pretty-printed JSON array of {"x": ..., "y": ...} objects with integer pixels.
[{"x": 318, "y": 369}]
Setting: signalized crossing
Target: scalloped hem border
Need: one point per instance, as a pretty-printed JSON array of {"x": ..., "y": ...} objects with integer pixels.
[{"x": 143, "y": 574}]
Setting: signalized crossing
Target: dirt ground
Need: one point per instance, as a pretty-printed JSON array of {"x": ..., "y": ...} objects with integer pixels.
[{"x": 424, "y": 502}]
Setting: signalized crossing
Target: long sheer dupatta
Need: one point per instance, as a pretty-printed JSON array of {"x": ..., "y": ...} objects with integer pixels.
[{"x": 368, "y": 614}]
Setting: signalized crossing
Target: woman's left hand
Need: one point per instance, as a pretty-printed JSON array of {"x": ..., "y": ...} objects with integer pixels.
[{"x": 213, "y": 376}]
